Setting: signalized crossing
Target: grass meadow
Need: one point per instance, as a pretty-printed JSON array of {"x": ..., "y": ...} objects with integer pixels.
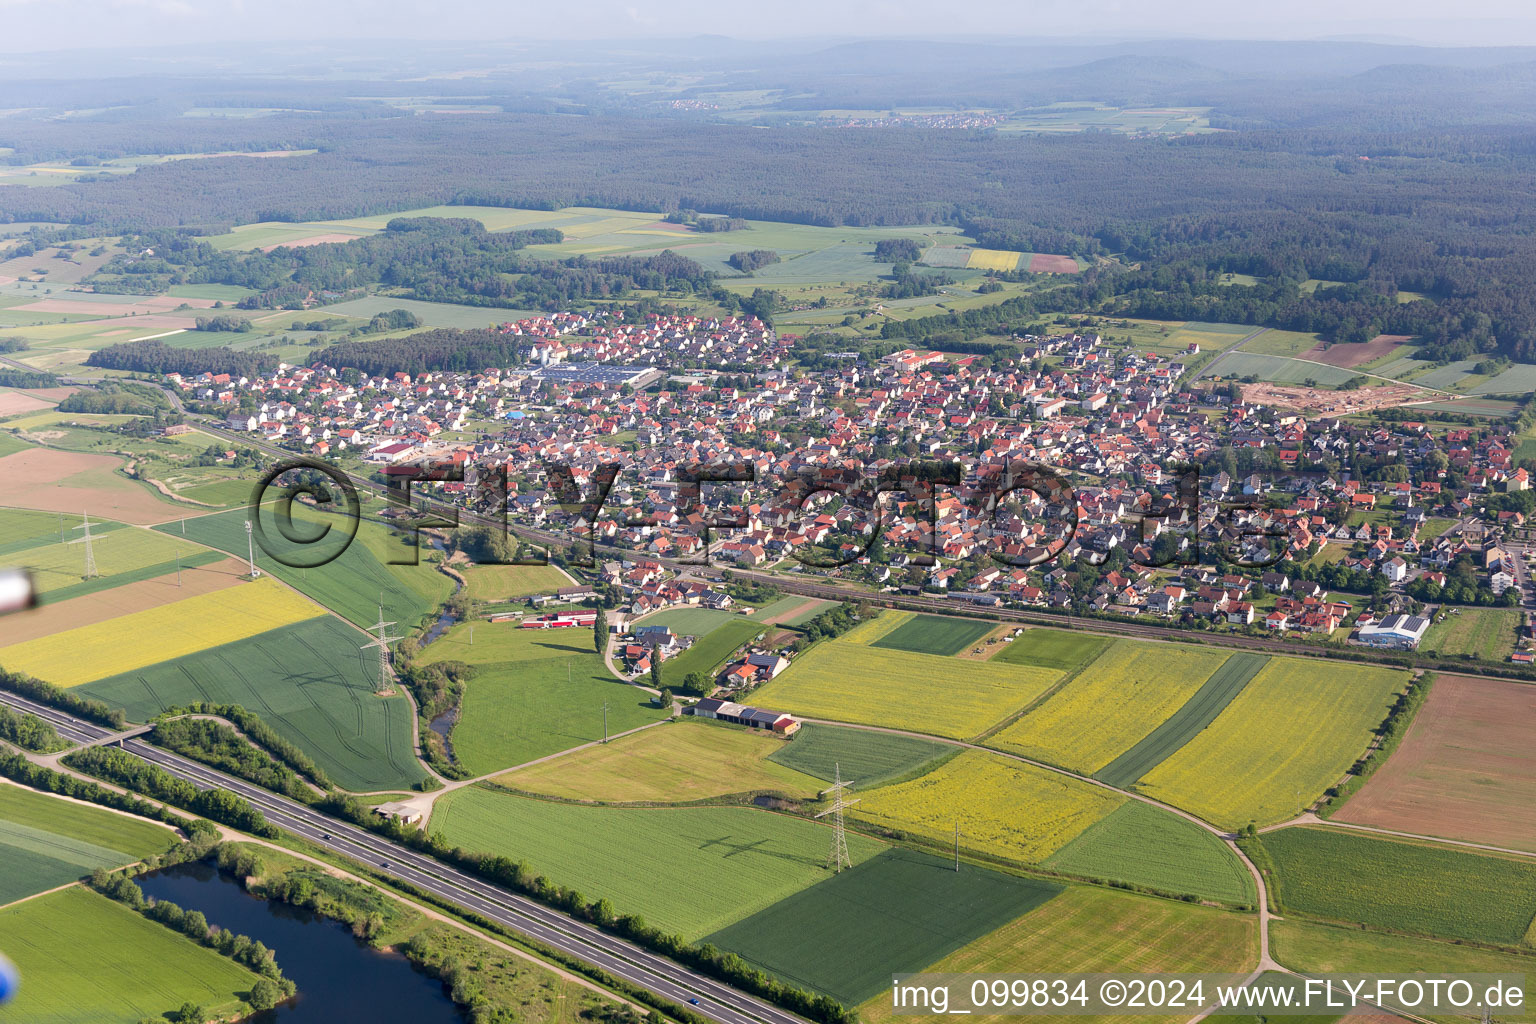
[
  {"x": 849, "y": 682},
  {"x": 692, "y": 870},
  {"x": 1052, "y": 648}
]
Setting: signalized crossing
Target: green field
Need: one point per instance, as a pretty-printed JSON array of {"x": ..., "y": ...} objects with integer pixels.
[
  {"x": 709, "y": 651},
  {"x": 1091, "y": 929},
  {"x": 509, "y": 582},
  {"x": 869, "y": 758},
  {"x": 1332, "y": 949},
  {"x": 896, "y": 913},
  {"x": 353, "y": 583},
  {"x": 1143, "y": 845},
  {"x": 1052, "y": 648},
  {"x": 1404, "y": 886},
  {"x": 432, "y": 314},
  {"x": 690, "y": 759},
  {"x": 1486, "y": 633},
  {"x": 535, "y": 692},
  {"x": 1186, "y": 723},
  {"x": 48, "y": 841},
  {"x": 84, "y": 959},
  {"x": 689, "y": 621},
  {"x": 121, "y": 556},
  {"x": 1281, "y": 370},
  {"x": 690, "y": 870},
  {"x": 1280, "y": 343},
  {"x": 310, "y": 681},
  {"x": 935, "y": 634}
]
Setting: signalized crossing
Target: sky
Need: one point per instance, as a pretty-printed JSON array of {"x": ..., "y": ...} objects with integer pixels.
[{"x": 41, "y": 25}]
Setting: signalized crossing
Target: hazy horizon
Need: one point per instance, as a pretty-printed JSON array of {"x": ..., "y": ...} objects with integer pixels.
[{"x": 124, "y": 25}]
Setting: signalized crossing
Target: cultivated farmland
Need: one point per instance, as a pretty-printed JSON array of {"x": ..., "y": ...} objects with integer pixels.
[
  {"x": 1404, "y": 886},
  {"x": 598, "y": 850},
  {"x": 121, "y": 553},
  {"x": 696, "y": 622},
  {"x": 71, "y": 482},
  {"x": 1112, "y": 704},
  {"x": 993, "y": 259},
  {"x": 86, "y": 958},
  {"x": 536, "y": 692},
  {"x": 935, "y": 634},
  {"x": 1090, "y": 929},
  {"x": 677, "y": 763},
  {"x": 1186, "y": 723},
  {"x": 309, "y": 681},
  {"x": 866, "y": 633},
  {"x": 924, "y": 692},
  {"x": 1330, "y": 949},
  {"x": 1140, "y": 844},
  {"x": 1298, "y": 725},
  {"x": 895, "y": 913},
  {"x": 158, "y": 634},
  {"x": 1465, "y": 769},
  {"x": 1052, "y": 648},
  {"x": 866, "y": 757},
  {"x": 1005, "y": 809},
  {"x": 351, "y": 585},
  {"x": 47, "y": 841}
]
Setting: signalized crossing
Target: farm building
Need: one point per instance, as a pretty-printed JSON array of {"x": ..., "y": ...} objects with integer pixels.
[
  {"x": 1399, "y": 631},
  {"x": 560, "y": 620},
  {"x": 741, "y": 714}
]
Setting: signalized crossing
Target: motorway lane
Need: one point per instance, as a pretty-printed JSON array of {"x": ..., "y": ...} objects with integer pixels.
[{"x": 622, "y": 959}]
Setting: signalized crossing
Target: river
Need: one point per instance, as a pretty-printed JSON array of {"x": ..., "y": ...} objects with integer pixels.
[{"x": 340, "y": 977}]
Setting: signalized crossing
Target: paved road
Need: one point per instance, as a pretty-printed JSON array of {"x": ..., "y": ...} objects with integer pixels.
[{"x": 716, "y": 1001}]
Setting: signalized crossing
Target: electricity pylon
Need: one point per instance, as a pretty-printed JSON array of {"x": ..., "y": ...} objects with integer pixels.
[
  {"x": 837, "y": 857},
  {"x": 90, "y": 552},
  {"x": 382, "y": 641}
]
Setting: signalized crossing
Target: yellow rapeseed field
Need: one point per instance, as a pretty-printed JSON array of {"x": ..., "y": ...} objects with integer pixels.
[
  {"x": 993, "y": 259},
  {"x": 1004, "y": 808},
  {"x": 878, "y": 628},
  {"x": 848, "y": 682},
  {"x": 158, "y": 634},
  {"x": 1298, "y": 725},
  {"x": 1115, "y": 701}
]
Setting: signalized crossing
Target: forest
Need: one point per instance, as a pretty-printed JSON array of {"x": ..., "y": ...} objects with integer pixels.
[{"x": 1382, "y": 183}]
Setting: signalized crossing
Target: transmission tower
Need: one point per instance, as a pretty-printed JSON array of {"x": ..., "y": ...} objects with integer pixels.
[
  {"x": 382, "y": 642},
  {"x": 837, "y": 857},
  {"x": 88, "y": 539},
  {"x": 250, "y": 544}
]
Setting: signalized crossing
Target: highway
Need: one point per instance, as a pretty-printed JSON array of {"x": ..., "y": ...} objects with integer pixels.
[{"x": 708, "y": 998}]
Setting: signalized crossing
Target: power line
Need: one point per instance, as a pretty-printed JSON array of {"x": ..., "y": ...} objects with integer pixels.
[
  {"x": 382, "y": 642},
  {"x": 90, "y": 552},
  {"x": 837, "y": 857}
]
